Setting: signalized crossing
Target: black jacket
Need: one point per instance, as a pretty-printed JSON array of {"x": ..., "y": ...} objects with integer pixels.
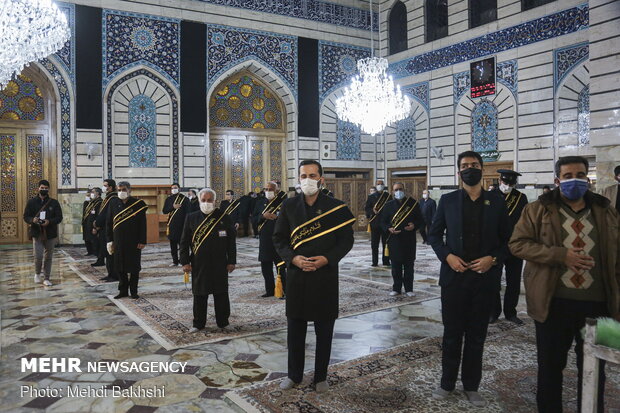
[
  {"x": 428, "y": 207},
  {"x": 176, "y": 225},
  {"x": 313, "y": 295},
  {"x": 53, "y": 213},
  {"x": 402, "y": 246},
  {"x": 88, "y": 218},
  {"x": 126, "y": 237},
  {"x": 368, "y": 209},
  {"x": 496, "y": 232},
  {"x": 234, "y": 216},
  {"x": 266, "y": 249},
  {"x": 515, "y": 212}
]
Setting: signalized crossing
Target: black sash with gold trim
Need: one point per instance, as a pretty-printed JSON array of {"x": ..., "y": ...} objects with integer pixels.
[
  {"x": 172, "y": 213},
  {"x": 383, "y": 198},
  {"x": 205, "y": 228},
  {"x": 231, "y": 208},
  {"x": 107, "y": 199},
  {"x": 512, "y": 201},
  {"x": 272, "y": 207},
  {"x": 91, "y": 204},
  {"x": 323, "y": 224},
  {"x": 403, "y": 212},
  {"x": 128, "y": 213}
]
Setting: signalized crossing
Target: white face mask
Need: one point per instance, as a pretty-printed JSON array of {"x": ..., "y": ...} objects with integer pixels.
[
  {"x": 505, "y": 188},
  {"x": 191, "y": 196},
  {"x": 380, "y": 188},
  {"x": 270, "y": 194},
  {"x": 207, "y": 207},
  {"x": 309, "y": 186},
  {"x": 425, "y": 196},
  {"x": 93, "y": 196},
  {"x": 399, "y": 194},
  {"x": 123, "y": 195},
  {"x": 88, "y": 197},
  {"x": 175, "y": 191},
  {"x": 298, "y": 190}
]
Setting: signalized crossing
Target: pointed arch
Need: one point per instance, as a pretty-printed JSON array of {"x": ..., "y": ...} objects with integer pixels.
[
  {"x": 572, "y": 112},
  {"x": 397, "y": 27}
]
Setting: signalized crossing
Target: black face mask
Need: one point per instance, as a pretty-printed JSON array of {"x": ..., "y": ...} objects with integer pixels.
[
  {"x": 43, "y": 192},
  {"x": 471, "y": 176}
]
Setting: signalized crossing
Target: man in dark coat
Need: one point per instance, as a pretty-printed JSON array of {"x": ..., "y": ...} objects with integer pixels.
[
  {"x": 374, "y": 205},
  {"x": 89, "y": 214},
  {"x": 515, "y": 202},
  {"x": 312, "y": 234},
  {"x": 194, "y": 205},
  {"x": 126, "y": 231},
  {"x": 105, "y": 258},
  {"x": 401, "y": 217},
  {"x": 268, "y": 209},
  {"x": 176, "y": 206},
  {"x": 43, "y": 214},
  {"x": 209, "y": 252},
  {"x": 254, "y": 219},
  {"x": 477, "y": 230},
  {"x": 231, "y": 206},
  {"x": 244, "y": 213},
  {"x": 428, "y": 207}
]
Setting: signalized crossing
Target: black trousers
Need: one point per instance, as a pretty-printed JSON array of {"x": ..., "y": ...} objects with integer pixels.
[
  {"x": 89, "y": 246},
  {"x": 95, "y": 245},
  {"x": 109, "y": 264},
  {"x": 174, "y": 250},
  {"x": 554, "y": 339},
  {"x": 270, "y": 283},
  {"x": 423, "y": 233},
  {"x": 222, "y": 309},
  {"x": 513, "y": 266},
  {"x": 102, "y": 253},
  {"x": 245, "y": 221},
  {"x": 398, "y": 267},
  {"x": 126, "y": 282},
  {"x": 466, "y": 304},
  {"x": 376, "y": 235},
  {"x": 296, "y": 340},
  {"x": 254, "y": 226}
]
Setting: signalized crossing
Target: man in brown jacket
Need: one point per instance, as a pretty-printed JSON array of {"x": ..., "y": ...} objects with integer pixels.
[
  {"x": 611, "y": 192},
  {"x": 569, "y": 238}
]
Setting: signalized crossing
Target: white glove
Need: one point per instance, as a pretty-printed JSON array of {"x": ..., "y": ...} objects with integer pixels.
[{"x": 110, "y": 247}]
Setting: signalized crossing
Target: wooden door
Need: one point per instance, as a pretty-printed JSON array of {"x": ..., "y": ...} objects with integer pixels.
[
  {"x": 352, "y": 192},
  {"x": 413, "y": 185},
  {"x": 24, "y": 162}
]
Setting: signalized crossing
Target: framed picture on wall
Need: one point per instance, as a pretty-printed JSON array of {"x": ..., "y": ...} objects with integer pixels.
[{"x": 482, "y": 75}]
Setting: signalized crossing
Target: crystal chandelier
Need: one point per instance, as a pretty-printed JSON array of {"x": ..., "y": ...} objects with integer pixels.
[
  {"x": 29, "y": 30},
  {"x": 371, "y": 101}
]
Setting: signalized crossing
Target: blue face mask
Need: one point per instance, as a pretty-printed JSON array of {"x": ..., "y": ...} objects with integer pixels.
[
  {"x": 399, "y": 194},
  {"x": 574, "y": 189}
]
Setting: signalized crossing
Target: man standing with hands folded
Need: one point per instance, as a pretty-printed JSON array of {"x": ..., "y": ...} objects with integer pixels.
[{"x": 312, "y": 234}]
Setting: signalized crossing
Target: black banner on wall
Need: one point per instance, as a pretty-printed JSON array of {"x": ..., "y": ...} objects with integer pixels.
[
  {"x": 308, "y": 87},
  {"x": 88, "y": 57},
  {"x": 193, "y": 77}
]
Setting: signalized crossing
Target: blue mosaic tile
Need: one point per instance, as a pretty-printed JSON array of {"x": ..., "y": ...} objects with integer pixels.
[
  {"x": 142, "y": 132},
  {"x": 547, "y": 27},
  {"x": 506, "y": 74},
  {"x": 337, "y": 64},
  {"x": 484, "y": 130},
  {"x": 405, "y": 139},
  {"x": 229, "y": 46},
  {"x": 314, "y": 10},
  {"x": 348, "y": 141},
  {"x": 174, "y": 115},
  {"x": 583, "y": 116},
  {"x": 419, "y": 92},
  {"x": 461, "y": 83},
  {"x": 130, "y": 39},
  {"x": 565, "y": 59},
  {"x": 66, "y": 55}
]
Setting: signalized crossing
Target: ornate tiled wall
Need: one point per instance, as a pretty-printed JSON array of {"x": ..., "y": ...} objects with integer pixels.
[
  {"x": 142, "y": 132},
  {"x": 547, "y": 27},
  {"x": 22, "y": 99},
  {"x": 567, "y": 58},
  {"x": 130, "y": 39},
  {"x": 484, "y": 130},
  {"x": 419, "y": 92},
  {"x": 275, "y": 160},
  {"x": 337, "y": 64},
  {"x": 229, "y": 46},
  {"x": 405, "y": 139},
  {"x": 217, "y": 165},
  {"x": 583, "y": 116},
  {"x": 66, "y": 55},
  {"x": 8, "y": 169},
  {"x": 256, "y": 165},
  {"x": 34, "y": 163},
  {"x": 348, "y": 141},
  {"x": 461, "y": 82},
  {"x": 506, "y": 74},
  {"x": 237, "y": 164},
  {"x": 244, "y": 103}
]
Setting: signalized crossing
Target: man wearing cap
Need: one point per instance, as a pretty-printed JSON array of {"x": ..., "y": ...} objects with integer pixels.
[{"x": 515, "y": 202}]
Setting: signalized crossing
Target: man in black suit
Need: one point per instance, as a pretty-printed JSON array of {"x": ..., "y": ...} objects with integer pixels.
[
  {"x": 477, "y": 230},
  {"x": 176, "y": 207},
  {"x": 374, "y": 206},
  {"x": 111, "y": 198},
  {"x": 428, "y": 206},
  {"x": 244, "y": 214},
  {"x": 312, "y": 234},
  {"x": 515, "y": 202}
]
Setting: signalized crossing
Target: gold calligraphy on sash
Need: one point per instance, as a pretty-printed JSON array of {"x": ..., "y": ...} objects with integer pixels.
[
  {"x": 205, "y": 228},
  {"x": 403, "y": 212},
  {"x": 321, "y": 225},
  {"x": 172, "y": 213},
  {"x": 512, "y": 201},
  {"x": 91, "y": 204},
  {"x": 231, "y": 208},
  {"x": 383, "y": 198},
  {"x": 129, "y": 212},
  {"x": 272, "y": 207}
]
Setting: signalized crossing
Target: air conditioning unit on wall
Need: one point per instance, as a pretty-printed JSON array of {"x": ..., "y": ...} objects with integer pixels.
[{"x": 326, "y": 151}]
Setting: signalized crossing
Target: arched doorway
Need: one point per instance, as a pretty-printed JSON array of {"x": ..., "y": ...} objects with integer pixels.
[
  {"x": 27, "y": 148},
  {"x": 247, "y": 135}
]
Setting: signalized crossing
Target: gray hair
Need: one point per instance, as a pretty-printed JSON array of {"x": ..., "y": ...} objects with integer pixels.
[
  {"x": 275, "y": 183},
  {"x": 124, "y": 183},
  {"x": 207, "y": 190}
]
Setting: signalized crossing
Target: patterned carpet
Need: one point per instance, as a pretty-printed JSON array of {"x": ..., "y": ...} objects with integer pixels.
[
  {"x": 167, "y": 315},
  {"x": 401, "y": 380}
]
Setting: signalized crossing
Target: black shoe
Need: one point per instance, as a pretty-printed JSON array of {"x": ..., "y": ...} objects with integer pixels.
[
  {"x": 121, "y": 295},
  {"x": 266, "y": 295},
  {"x": 98, "y": 264},
  {"x": 108, "y": 279},
  {"x": 516, "y": 320},
  {"x": 493, "y": 319},
  {"x": 135, "y": 296},
  {"x": 374, "y": 265}
]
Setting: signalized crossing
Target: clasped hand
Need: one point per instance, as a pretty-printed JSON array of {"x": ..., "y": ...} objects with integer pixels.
[
  {"x": 269, "y": 216},
  {"x": 578, "y": 261},
  {"x": 309, "y": 263},
  {"x": 481, "y": 265}
]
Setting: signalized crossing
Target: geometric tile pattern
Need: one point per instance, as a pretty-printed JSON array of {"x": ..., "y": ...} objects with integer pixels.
[
  {"x": 405, "y": 138},
  {"x": 337, "y": 65},
  {"x": 66, "y": 55},
  {"x": 21, "y": 99},
  {"x": 506, "y": 74},
  {"x": 238, "y": 165},
  {"x": 546, "y": 27},
  {"x": 576, "y": 234},
  {"x": 583, "y": 116},
  {"x": 484, "y": 129},
  {"x": 229, "y": 46},
  {"x": 34, "y": 164},
  {"x": 256, "y": 165},
  {"x": 461, "y": 85},
  {"x": 244, "y": 103},
  {"x": 217, "y": 165},
  {"x": 566, "y": 58},
  {"x": 420, "y": 92},
  {"x": 276, "y": 161},
  {"x": 314, "y": 10},
  {"x": 8, "y": 171},
  {"x": 8, "y": 228},
  {"x": 130, "y": 39},
  {"x": 348, "y": 141},
  {"x": 142, "y": 132}
]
